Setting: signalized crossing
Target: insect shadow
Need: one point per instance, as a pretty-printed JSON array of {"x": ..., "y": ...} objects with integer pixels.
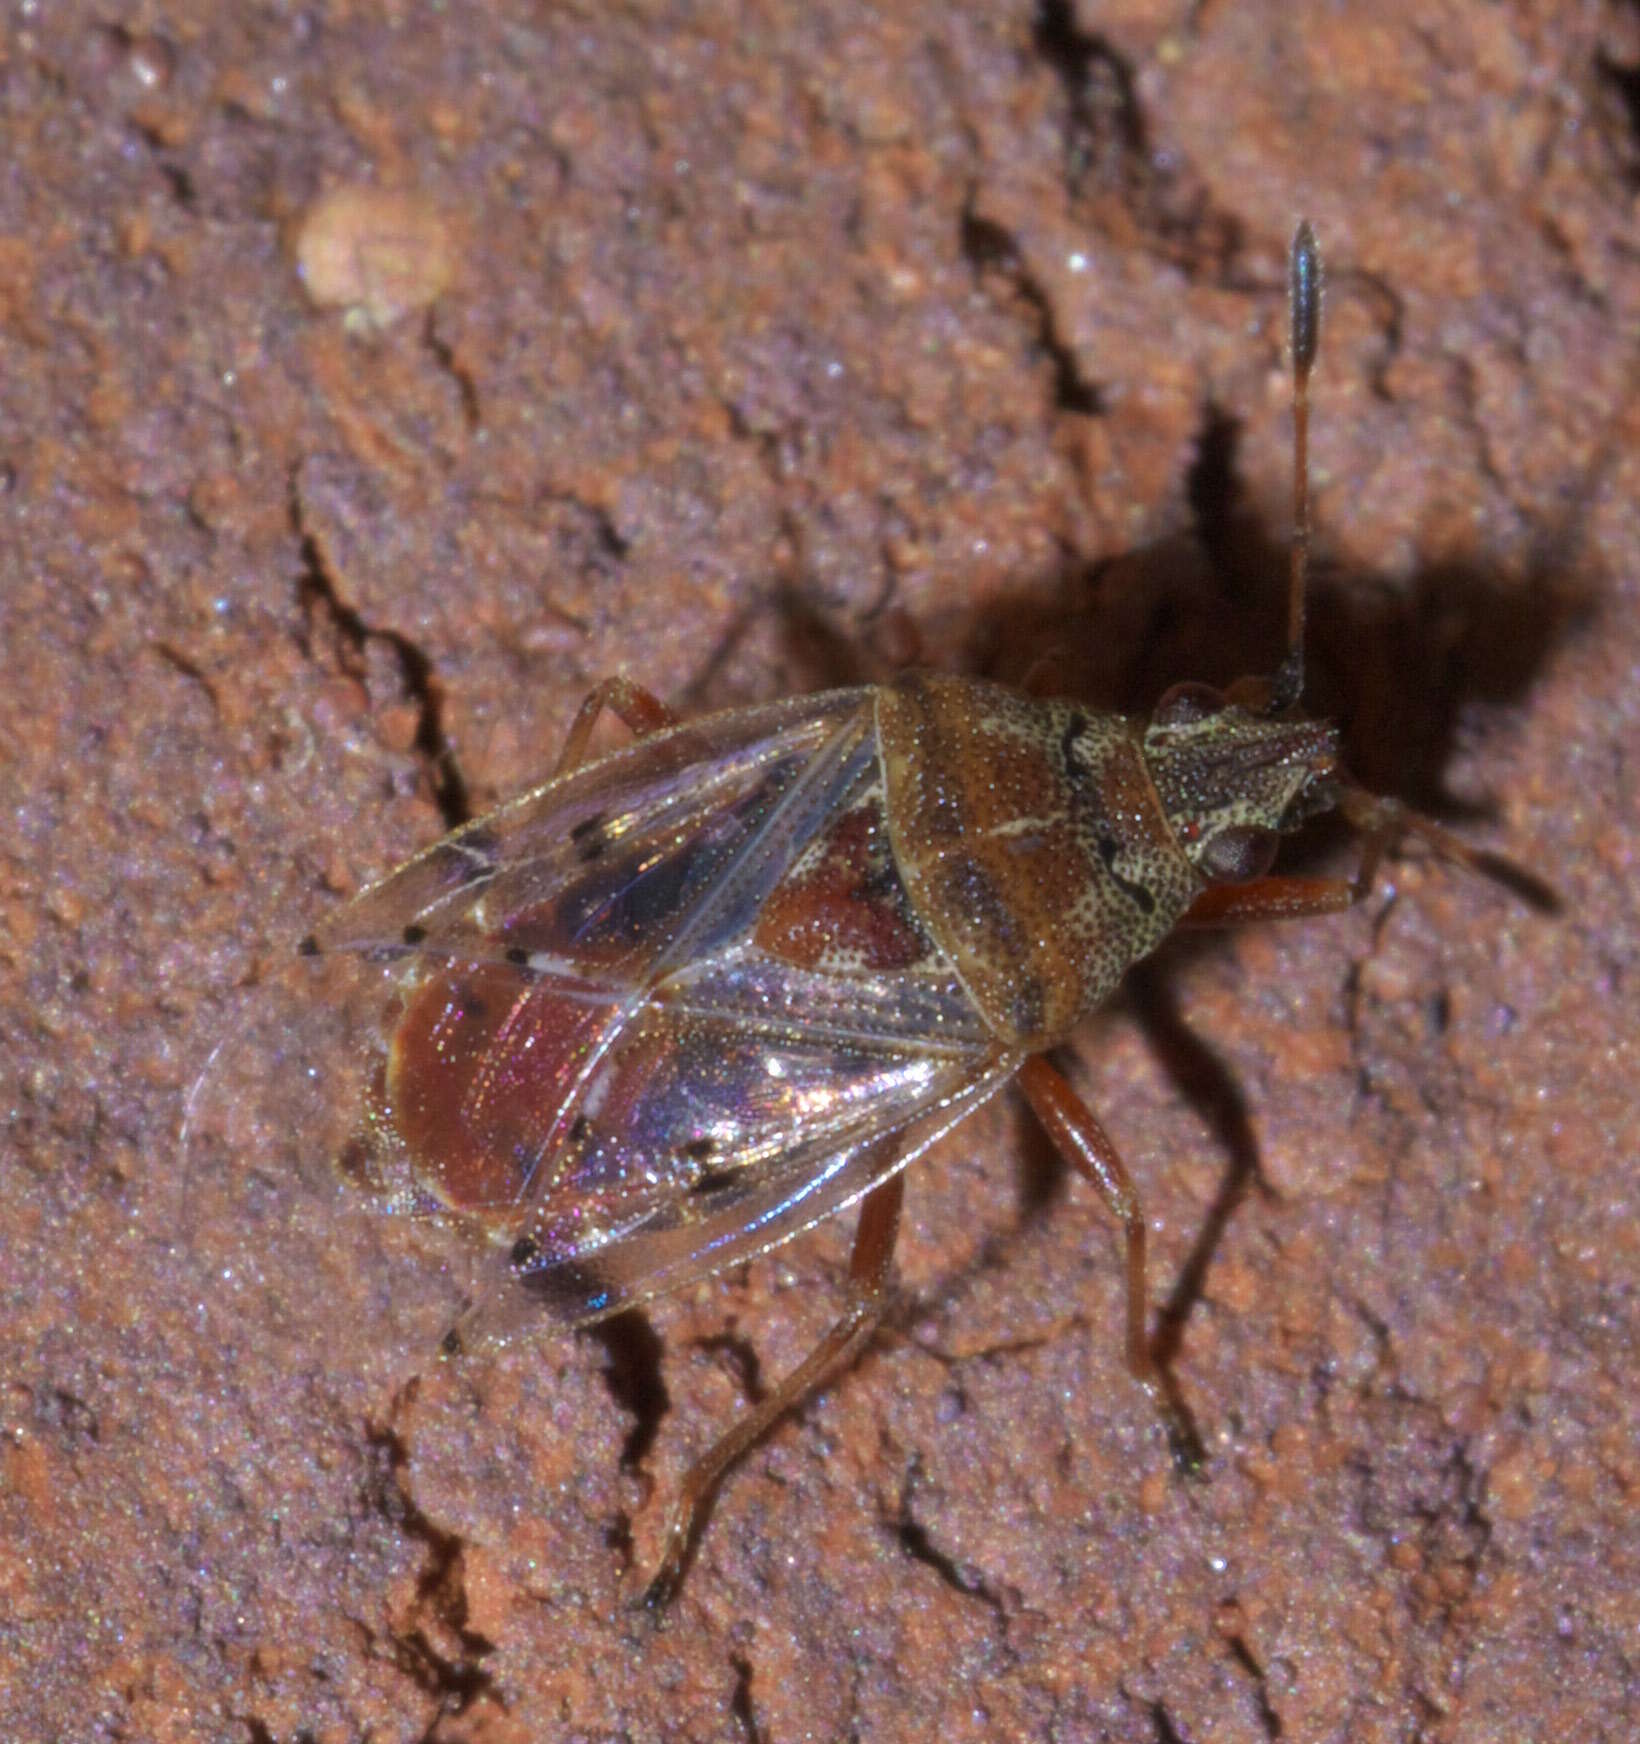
[{"x": 1399, "y": 664}]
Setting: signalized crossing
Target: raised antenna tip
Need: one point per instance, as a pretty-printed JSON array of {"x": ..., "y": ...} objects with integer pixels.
[
  {"x": 1304, "y": 297},
  {"x": 1304, "y": 289}
]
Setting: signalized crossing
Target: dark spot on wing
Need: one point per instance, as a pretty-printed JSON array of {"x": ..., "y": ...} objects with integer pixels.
[
  {"x": 467, "y": 859},
  {"x": 415, "y": 934},
  {"x": 525, "y": 1252},
  {"x": 699, "y": 1148},
  {"x": 631, "y": 901},
  {"x": 309, "y": 947},
  {"x": 578, "y": 1129},
  {"x": 712, "y": 1181},
  {"x": 518, "y": 956},
  {"x": 589, "y": 838}
]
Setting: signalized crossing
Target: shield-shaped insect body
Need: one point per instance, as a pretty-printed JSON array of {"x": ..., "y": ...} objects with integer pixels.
[{"x": 683, "y": 1001}]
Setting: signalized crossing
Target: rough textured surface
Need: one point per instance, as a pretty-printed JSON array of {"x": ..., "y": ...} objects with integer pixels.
[{"x": 758, "y": 321}]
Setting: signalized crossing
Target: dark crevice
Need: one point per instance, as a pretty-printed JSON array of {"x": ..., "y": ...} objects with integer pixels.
[
  {"x": 318, "y": 593},
  {"x": 915, "y": 1542},
  {"x": 1104, "y": 124},
  {"x": 605, "y": 534},
  {"x": 1166, "y": 1731},
  {"x": 181, "y": 185},
  {"x": 742, "y": 1357},
  {"x": 1070, "y": 392},
  {"x": 1389, "y": 313},
  {"x": 633, "y": 1376},
  {"x": 466, "y": 388},
  {"x": 69, "y": 1415},
  {"x": 440, "y": 1589},
  {"x": 1469, "y": 395},
  {"x": 610, "y": 539},
  {"x": 1210, "y": 490},
  {"x": 1269, "y": 1719},
  {"x": 1110, "y": 158},
  {"x": 1623, "y": 83},
  {"x": 988, "y": 247},
  {"x": 740, "y": 1704},
  {"x": 1474, "y": 1521},
  {"x": 258, "y": 1731}
]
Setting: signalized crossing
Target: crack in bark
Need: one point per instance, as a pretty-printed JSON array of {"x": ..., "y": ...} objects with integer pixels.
[
  {"x": 740, "y": 1704},
  {"x": 915, "y": 1540},
  {"x": 318, "y": 591},
  {"x": 633, "y": 1377},
  {"x": 1166, "y": 1731},
  {"x": 1243, "y": 1655},
  {"x": 988, "y": 245},
  {"x": 458, "y": 1681},
  {"x": 1104, "y": 128}
]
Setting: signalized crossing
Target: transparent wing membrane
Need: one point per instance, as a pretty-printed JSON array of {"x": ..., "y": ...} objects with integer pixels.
[{"x": 551, "y": 1043}]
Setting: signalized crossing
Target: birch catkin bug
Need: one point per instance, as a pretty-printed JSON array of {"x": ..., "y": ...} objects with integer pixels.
[{"x": 679, "y": 1003}]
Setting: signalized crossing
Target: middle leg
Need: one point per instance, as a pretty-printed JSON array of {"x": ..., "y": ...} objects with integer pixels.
[{"x": 1087, "y": 1147}]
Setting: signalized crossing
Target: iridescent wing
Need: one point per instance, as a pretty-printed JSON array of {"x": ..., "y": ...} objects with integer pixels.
[
  {"x": 464, "y": 1032},
  {"x": 748, "y": 1102},
  {"x": 658, "y": 838}
]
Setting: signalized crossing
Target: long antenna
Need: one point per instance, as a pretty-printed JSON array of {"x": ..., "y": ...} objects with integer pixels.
[{"x": 1304, "y": 296}]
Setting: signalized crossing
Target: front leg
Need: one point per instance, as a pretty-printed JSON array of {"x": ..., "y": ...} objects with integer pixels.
[{"x": 1382, "y": 823}]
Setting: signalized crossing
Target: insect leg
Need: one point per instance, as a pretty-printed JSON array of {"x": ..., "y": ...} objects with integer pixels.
[
  {"x": 869, "y": 1293},
  {"x": 641, "y": 711},
  {"x": 1382, "y": 822},
  {"x": 1087, "y": 1147},
  {"x": 1277, "y": 898}
]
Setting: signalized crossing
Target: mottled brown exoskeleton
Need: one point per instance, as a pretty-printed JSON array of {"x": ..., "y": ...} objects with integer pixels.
[{"x": 682, "y": 1001}]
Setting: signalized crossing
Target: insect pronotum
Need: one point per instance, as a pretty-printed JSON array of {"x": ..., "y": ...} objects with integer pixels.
[{"x": 685, "y": 1000}]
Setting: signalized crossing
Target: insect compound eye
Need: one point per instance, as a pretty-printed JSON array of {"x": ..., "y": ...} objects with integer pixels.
[
  {"x": 1238, "y": 853},
  {"x": 1183, "y": 704}
]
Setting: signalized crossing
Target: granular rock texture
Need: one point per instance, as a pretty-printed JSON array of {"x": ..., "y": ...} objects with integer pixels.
[{"x": 372, "y": 381}]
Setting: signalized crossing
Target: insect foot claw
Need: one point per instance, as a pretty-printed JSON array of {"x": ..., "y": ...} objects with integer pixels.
[
  {"x": 656, "y": 1598},
  {"x": 1183, "y": 1441},
  {"x": 662, "y": 1586},
  {"x": 1189, "y": 1456}
]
